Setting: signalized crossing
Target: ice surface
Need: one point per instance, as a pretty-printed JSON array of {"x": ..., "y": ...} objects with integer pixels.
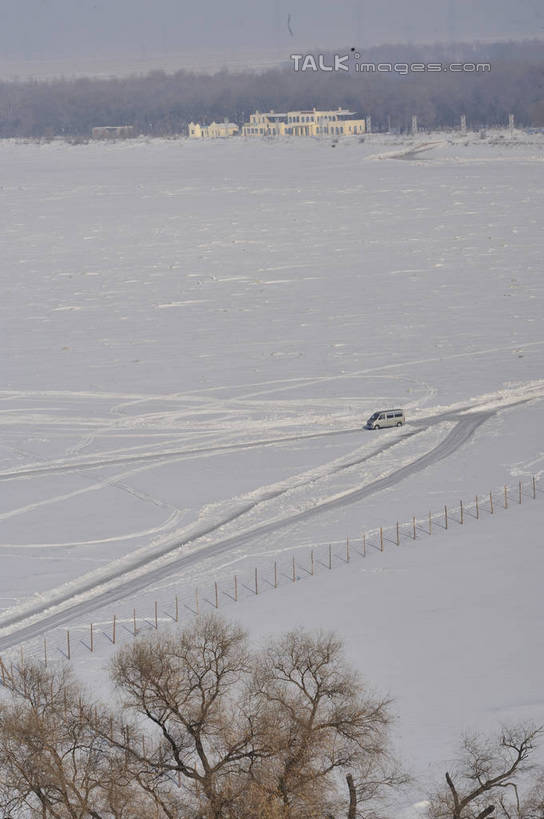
[{"x": 193, "y": 335}]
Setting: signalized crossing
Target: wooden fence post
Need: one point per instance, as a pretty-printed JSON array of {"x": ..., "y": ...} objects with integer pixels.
[
  {"x": 275, "y": 574},
  {"x": 461, "y": 518},
  {"x": 414, "y": 527},
  {"x": 92, "y": 639},
  {"x": 114, "y": 629},
  {"x": 330, "y": 556},
  {"x": 364, "y": 544},
  {"x": 68, "y": 653},
  {"x": 312, "y": 562},
  {"x": 156, "y": 612},
  {"x": 477, "y": 509},
  {"x": 197, "y": 601},
  {"x": 445, "y": 517},
  {"x": 491, "y": 502},
  {"x": 520, "y": 491},
  {"x": 294, "y": 570},
  {"x": 256, "y": 583},
  {"x": 381, "y": 538},
  {"x": 430, "y": 523},
  {"x": 398, "y": 534},
  {"x": 505, "y": 497},
  {"x": 534, "y": 488}
]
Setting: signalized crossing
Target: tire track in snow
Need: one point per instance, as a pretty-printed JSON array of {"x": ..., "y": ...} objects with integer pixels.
[
  {"x": 165, "y": 455},
  {"x": 96, "y": 596},
  {"x": 203, "y": 531}
]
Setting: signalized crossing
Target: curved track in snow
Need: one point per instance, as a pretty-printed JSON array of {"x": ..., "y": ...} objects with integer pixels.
[
  {"x": 88, "y": 597},
  {"x": 97, "y": 463}
]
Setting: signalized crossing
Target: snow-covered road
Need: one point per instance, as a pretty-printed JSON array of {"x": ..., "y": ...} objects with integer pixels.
[{"x": 127, "y": 576}]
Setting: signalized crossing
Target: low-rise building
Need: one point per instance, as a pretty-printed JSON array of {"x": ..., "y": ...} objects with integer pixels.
[
  {"x": 339, "y": 122},
  {"x": 216, "y": 130}
]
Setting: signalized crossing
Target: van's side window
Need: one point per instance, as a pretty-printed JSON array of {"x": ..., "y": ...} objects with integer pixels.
[
  {"x": 398, "y": 415},
  {"x": 390, "y": 416}
]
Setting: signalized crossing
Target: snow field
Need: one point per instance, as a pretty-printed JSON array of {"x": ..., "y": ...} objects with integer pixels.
[{"x": 193, "y": 336}]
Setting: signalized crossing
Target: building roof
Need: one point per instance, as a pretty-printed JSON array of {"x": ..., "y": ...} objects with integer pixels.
[{"x": 347, "y": 115}]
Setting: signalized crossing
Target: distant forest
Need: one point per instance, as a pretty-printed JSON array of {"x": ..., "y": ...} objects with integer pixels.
[{"x": 163, "y": 104}]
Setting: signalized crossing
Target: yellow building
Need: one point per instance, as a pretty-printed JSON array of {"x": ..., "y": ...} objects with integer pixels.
[
  {"x": 340, "y": 122},
  {"x": 217, "y": 130},
  {"x": 269, "y": 124}
]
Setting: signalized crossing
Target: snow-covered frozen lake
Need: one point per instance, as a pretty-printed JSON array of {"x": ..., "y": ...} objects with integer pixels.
[{"x": 194, "y": 333}]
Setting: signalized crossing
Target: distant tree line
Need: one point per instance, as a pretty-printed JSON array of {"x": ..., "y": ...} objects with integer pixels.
[
  {"x": 209, "y": 728},
  {"x": 163, "y": 104}
]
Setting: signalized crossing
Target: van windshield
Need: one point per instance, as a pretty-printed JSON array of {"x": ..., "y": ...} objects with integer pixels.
[{"x": 373, "y": 417}]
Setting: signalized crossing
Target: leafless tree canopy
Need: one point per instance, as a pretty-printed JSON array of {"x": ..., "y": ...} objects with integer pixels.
[
  {"x": 486, "y": 779},
  {"x": 207, "y": 729},
  {"x": 54, "y": 760},
  {"x": 324, "y": 725}
]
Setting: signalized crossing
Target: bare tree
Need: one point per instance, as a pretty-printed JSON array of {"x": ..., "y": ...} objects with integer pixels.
[
  {"x": 486, "y": 778},
  {"x": 533, "y": 805},
  {"x": 208, "y": 731},
  {"x": 324, "y": 724},
  {"x": 53, "y": 763},
  {"x": 191, "y": 687}
]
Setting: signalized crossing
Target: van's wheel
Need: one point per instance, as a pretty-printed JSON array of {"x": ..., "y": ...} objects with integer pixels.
[
  {"x": 399, "y": 424},
  {"x": 377, "y": 426}
]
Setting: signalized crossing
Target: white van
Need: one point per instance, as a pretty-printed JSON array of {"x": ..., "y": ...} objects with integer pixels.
[{"x": 386, "y": 418}]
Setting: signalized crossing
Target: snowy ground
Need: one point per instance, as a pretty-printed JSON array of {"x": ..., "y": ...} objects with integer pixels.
[
  {"x": 193, "y": 334},
  {"x": 448, "y": 625}
]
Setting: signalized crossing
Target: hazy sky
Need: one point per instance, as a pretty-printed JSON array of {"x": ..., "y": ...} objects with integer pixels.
[{"x": 44, "y": 29}]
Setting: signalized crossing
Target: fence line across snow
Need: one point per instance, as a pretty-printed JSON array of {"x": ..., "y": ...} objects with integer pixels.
[{"x": 192, "y": 602}]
